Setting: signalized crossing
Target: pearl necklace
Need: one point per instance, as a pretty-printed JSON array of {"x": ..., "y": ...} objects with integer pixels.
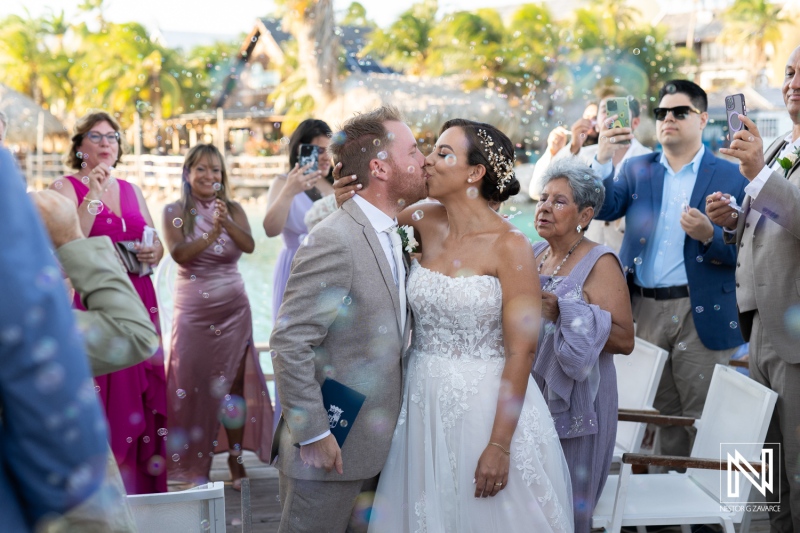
[{"x": 547, "y": 255}]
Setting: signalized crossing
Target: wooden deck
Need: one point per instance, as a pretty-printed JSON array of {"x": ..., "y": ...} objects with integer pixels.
[{"x": 266, "y": 509}]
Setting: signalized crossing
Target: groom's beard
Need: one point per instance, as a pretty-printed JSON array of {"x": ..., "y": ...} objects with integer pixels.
[{"x": 408, "y": 187}]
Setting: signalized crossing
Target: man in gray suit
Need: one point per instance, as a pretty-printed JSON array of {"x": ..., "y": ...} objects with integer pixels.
[
  {"x": 344, "y": 317},
  {"x": 767, "y": 233}
]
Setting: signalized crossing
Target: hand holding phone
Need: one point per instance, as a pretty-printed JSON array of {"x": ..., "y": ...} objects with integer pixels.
[
  {"x": 622, "y": 109},
  {"x": 734, "y": 106},
  {"x": 308, "y": 154}
]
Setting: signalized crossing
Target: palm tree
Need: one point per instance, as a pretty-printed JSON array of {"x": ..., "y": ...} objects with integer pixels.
[
  {"x": 406, "y": 45},
  {"x": 356, "y": 15},
  {"x": 132, "y": 73},
  {"x": 312, "y": 25},
  {"x": 28, "y": 65},
  {"x": 754, "y": 24}
]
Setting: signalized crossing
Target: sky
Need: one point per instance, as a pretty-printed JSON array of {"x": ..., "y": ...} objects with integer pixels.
[{"x": 217, "y": 16}]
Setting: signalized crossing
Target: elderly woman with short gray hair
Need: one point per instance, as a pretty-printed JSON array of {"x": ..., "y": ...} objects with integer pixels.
[{"x": 586, "y": 315}]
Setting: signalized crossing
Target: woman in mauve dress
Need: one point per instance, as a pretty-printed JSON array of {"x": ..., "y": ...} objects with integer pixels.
[
  {"x": 214, "y": 374},
  {"x": 134, "y": 398},
  {"x": 586, "y": 314},
  {"x": 290, "y": 197}
]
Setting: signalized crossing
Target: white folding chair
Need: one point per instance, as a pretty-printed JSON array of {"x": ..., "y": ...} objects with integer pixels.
[
  {"x": 164, "y": 283},
  {"x": 197, "y": 509},
  {"x": 638, "y": 375},
  {"x": 737, "y": 410}
]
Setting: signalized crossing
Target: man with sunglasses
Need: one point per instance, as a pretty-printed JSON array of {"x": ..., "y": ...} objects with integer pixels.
[
  {"x": 768, "y": 282},
  {"x": 680, "y": 273}
]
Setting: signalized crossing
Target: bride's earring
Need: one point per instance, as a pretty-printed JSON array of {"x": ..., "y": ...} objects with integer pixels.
[
  {"x": 469, "y": 180},
  {"x": 579, "y": 228}
]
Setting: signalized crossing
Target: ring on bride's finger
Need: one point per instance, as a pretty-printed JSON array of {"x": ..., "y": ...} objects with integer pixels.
[{"x": 500, "y": 484}]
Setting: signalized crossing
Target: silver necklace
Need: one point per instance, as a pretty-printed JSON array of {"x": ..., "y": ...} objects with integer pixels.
[{"x": 555, "y": 272}]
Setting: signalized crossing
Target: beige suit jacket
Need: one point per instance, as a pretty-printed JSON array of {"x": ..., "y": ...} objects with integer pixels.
[
  {"x": 118, "y": 333},
  {"x": 776, "y": 254},
  {"x": 340, "y": 318}
]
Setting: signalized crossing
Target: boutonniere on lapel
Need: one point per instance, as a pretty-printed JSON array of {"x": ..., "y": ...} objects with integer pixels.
[
  {"x": 407, "y": 239},
  {"x": 789, "y": 161}
]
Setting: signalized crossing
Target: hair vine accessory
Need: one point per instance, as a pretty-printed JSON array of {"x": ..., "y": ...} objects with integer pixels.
[{"x": 502, "y": 166}]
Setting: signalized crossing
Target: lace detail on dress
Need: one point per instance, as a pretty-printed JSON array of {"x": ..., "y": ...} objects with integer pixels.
[
  {"x": 457, "y": 337},
  {"x": 534, "y": 437},
  {"x": 422, "y": 517},
  {"x": 456, "y": 317}
]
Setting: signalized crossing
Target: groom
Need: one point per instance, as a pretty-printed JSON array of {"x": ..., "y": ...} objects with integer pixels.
[{"x": 344, "y": 317}]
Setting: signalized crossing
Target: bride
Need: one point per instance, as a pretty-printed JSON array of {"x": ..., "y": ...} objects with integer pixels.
[{"x": 474, "y": 448}]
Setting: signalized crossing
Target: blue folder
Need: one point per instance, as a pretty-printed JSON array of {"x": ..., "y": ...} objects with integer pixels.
[{"x": 343, "y": 405}]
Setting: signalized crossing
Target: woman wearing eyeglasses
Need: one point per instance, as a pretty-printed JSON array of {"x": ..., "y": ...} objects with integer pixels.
[
  {"x": 290, "y": 197},
  {"x": 134, "y": 398}
]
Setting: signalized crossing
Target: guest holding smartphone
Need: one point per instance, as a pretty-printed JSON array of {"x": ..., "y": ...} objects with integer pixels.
[
  {"x": 290, "y": 197},
  {"x": 134, "y": 398}
]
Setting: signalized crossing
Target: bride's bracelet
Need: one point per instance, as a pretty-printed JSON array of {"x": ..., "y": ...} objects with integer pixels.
[{"x": 507, "y": 452}]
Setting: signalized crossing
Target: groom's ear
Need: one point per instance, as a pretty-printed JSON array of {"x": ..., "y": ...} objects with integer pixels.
[{"x": 379, "y": 169}]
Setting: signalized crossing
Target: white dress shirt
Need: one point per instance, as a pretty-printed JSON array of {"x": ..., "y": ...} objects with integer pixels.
[{"x": 380, "y": 222}]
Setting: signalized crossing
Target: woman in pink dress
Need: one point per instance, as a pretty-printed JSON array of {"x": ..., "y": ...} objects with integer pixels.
[
  {"x": 134, "y": 398},
  {"x": 214, "y": 374}
]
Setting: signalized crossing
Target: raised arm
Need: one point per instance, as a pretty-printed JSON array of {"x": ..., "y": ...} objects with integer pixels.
[
  {"x": 281, "y": 193},
  {"x": 516, "y": 269},
  {"x": 117, "y": 329}
]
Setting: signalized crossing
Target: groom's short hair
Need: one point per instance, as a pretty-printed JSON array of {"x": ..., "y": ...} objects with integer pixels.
[{"x": 363, "y": 138}]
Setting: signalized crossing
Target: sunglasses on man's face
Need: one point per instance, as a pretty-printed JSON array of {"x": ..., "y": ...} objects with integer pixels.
[{"x": 679, "y": 112}]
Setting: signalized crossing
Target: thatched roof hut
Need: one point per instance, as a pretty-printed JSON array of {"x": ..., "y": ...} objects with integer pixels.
[
  {"x": 426, "y": 102},
  {"x": 23, "y": 120}
]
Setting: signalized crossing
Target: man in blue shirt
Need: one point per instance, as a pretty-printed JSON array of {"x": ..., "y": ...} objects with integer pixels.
[
  {"x": 680, "y": 273},
  {"x": 52, "y": 431}
]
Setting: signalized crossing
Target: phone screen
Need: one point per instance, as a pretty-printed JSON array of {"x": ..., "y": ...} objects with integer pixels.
[
  {"x": 622, "y": 109},
  {"x": 308, "y": 154}
]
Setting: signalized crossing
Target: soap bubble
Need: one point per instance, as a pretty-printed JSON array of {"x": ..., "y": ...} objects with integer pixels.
[
  {"x": 451, "y": 159},
  {"x": 95, "y": 207},
  {"x": 177, "y": 222},
  {"x": 417, "y": 215}
]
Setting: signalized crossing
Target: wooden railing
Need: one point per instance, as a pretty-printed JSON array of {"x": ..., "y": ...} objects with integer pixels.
[{"x": 249, "y": 175}]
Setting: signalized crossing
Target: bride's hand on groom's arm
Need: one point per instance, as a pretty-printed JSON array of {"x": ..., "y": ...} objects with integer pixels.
[
  {"x": 491, "y": 475},
  {"x": 324, "y": 453},
  {"x": 343, "y": 187}
]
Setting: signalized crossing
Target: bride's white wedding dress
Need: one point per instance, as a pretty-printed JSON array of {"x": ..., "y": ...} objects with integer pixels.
[{"x": 452, "y": 382}]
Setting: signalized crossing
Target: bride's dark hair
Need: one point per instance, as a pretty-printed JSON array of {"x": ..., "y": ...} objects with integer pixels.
[{"x": 494, "y": 187}]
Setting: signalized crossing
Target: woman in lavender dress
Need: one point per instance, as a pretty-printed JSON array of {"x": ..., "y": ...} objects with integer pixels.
[
  {"x": 214, "y": 375},
  {"x": 587, "y": 318},
  {"x": 289, "y": 199}
]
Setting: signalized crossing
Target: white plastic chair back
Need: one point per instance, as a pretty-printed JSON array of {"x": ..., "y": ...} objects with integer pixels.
[
  {"x": 737, "y": 410},
  {"x": 200, "y": 509},
  {"x": 164, "y": 283},
  {"x": 638, "y": 375}
]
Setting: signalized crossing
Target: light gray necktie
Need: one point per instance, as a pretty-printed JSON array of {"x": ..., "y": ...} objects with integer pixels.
[{"x": 397, "y": 252}]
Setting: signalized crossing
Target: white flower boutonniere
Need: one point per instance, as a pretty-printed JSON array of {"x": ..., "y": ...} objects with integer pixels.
[
  {"x": 789, "y": 161},
  {"x": 407, "y": 238}
]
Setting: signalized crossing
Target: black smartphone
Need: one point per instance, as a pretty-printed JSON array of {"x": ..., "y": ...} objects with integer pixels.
[
  {"x": 308, "y": 154},
  {"x": 622, "y": 108},
  {"x": 734, "y": 106}
]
